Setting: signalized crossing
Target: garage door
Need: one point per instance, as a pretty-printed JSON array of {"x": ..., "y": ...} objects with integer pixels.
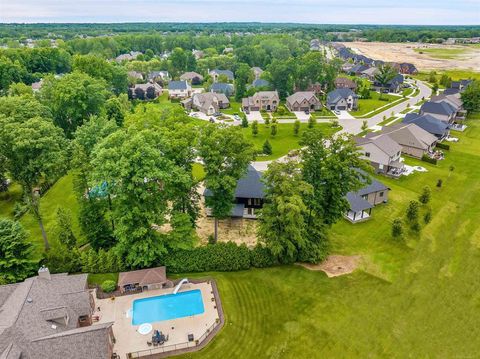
[{"x": 342, "y": 108}]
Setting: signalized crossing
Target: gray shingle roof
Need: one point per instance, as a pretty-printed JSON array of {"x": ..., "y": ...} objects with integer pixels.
[
  {"x": 336, "y": 95},
  {"x": 260, "y": 83},
  {"x": 357, "y": 203},
  {"x": 428, "y": 122},
  {"x": 441, "y": 108},
  {"x": 177, "y": 85},
  {"x": 221, "y": 87},
  {"x": 249, "y": 186},
  {"x": 227, "y": 73}
]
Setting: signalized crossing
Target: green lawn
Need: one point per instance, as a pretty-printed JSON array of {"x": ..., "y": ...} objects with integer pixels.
[
  {"x": 60, "y": 194},
  {"x": 442, "y": 53},
  {"x": 367, "y": 105},
  {"x": 454, "y": 74},
  {"x": 234, "y": 108},
  {"x": 414, "y": 299},
  {"x": 8, "y": 199},
  {"x": 101, "y": 277},
  {"x": 284, "y": 141}
]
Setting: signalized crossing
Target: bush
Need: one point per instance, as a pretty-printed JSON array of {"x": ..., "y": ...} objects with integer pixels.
[
  {"x": 267, "y": 147},
  {"x": 108, "y": 286},
  {"x": 412, "y": 211},
  {"x": 424, "y": 197},
  {"x": 262, "y": 257},
  {"x": 425, "y": 158},
  {"x": 439, "y": 183},
  {"x": 427, "y": 217},
  {"x": 443, "y": 146},
  {"x": 415, "y": 226},
  {"x": 397, "y": 228},
  {"x": 223, "y": 257}
]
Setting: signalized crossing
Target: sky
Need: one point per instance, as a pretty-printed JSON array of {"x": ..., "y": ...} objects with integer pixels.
[{"x": 408, "y": 12}]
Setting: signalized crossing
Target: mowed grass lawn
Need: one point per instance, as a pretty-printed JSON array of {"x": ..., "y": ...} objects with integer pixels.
[
  {"x": 414, "y": 299},
  {"x": 284, "y": 141},
  {"x": 371, "y": 104}
]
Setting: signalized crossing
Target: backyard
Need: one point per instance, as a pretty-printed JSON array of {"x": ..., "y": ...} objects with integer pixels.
[{"x": 417, "y": 299}]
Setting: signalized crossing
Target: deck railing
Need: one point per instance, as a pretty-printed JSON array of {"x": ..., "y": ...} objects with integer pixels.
[{"x": 172, "y": 347}]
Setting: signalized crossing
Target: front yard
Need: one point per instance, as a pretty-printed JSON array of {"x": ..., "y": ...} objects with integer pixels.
[{"x": 374, "y": 103}]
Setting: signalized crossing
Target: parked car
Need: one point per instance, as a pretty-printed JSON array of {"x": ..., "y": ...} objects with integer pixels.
[
  {"x": 236, "y": 118},
  {"x": 307, "y": 112},
  {"x": 194, "y": 115}
]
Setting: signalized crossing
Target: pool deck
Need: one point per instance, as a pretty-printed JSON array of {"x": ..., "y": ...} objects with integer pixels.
[{"x": 128, "y": 340}]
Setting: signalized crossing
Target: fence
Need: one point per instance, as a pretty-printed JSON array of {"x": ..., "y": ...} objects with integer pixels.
[{"x": 174, "y": 347}]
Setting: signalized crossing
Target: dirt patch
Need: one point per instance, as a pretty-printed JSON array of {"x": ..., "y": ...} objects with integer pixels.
[
  {"x": 468, "y": 58},
  {"x": 336, "y": 265}
]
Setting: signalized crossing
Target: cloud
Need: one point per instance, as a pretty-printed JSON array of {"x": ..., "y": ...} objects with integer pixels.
[{"x": 311, "y": 11}]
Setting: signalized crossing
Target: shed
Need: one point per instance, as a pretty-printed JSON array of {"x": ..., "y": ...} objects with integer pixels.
[{"x": 143, "y": 279}]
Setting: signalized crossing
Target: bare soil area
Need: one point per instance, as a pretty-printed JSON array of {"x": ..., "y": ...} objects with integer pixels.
[
  {"x": 468, "y": 57},
  {"x": 336, "y": 265}
]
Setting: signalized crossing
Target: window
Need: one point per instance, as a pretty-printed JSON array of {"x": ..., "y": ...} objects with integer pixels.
[
  {"x": 365, "y": 196},
  {"x": 250, "y": 211},
  {"x": 381, "y": 194},
  {"x": 249, "y": 201},
  {"x": 256, "y": 201},
  {"x": 367, "y": 154}
]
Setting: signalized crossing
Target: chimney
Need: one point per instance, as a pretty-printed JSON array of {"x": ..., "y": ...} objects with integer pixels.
[{"x": 44, "y": 273}]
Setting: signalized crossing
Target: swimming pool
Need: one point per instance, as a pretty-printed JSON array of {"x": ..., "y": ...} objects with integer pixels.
[{"x": 169, "y": 306}]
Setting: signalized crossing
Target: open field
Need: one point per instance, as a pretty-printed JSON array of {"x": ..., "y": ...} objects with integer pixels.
[
  {"x": 374, "y": 102},
  {"x": 436, "y": 57},
  {"x": 413, "y": 299}
]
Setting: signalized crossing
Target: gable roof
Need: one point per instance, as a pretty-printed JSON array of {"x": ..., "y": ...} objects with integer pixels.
[
  {"x": 249, "y": 186},
  {"x": 190, "y": 76},
  {"x": 260, "y": 83},
  {"x": 300, "y": 96},
  {"x": 428, "y": 122},
  {"x": 409, "y": 135},
  {"x": 345, "y": 82},
  {"x": 143, "y": 276},
  {"x": 357, "y": 203},
  {"x": 178, "y": 85},
  {"x": 440, "y": 108},
  {"x": 222, "y": 87},
  {"x": 339, "y": 94},
  {"x": 383, "y": 142},
  {"x": 227, "y": 73}
]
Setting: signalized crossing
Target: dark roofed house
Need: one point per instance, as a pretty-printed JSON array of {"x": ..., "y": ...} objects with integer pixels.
[
  {"x": 442, "y": 110},
  {"x": 358, "y": 69},
  {"x": 342, "y": 99},
  {"x": 216, "y": 73},
  {"x": 260, "y": 83},
  {"x": 143, "y": 279},
  {"x": 407, "y": 68},
  {"x": 249, "y": 195},
  {"x": 394, "y": 85},
  {"x": 429, "y": 123},
  {"x": 193, "y": 77},
  {"x": 50, "y": 317},
  {"x": 220, "y": 87},
  {"x": 344, "y": 83},
  {"x": 362, "y": 201},
  {"x": 179, "y": 89}
]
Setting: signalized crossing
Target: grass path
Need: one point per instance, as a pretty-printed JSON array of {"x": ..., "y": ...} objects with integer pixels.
[{"x": 414, "y": 299}]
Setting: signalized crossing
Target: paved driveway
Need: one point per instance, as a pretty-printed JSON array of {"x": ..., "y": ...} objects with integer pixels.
[
  {"x": 255, "y": 115},
  {"x": 302, "y": 116}
]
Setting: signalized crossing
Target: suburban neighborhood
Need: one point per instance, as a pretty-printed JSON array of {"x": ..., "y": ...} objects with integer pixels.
[{"x": 238, "y": 189}]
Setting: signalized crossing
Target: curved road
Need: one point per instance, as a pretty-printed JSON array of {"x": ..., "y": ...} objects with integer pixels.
[{"x": 353, "y": 125}]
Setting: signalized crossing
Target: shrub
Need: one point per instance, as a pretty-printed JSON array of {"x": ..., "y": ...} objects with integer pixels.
[
  {"x": 262, "y": 257},
  {"x": 397, "y": 228},
  {"x": 425, "y": 158},
  {"x": 415, "y": 226},
  {"x": 255, "y": 128},
  {"x": 424, "y": 197},
  {"x": 281, "y": 110},
  {"x": 439, "y": 183},
  {"x": 267, "y": 147},
  {"x": 273, "y": 130},
  {"x": 443, "y": 146},
  {"x": 311, "y": 122},
  {"x": 412, "y": 211},
  {"x": 108, "y": 286},
  {"x": 296, "y": 127},
  {"x": 223, "y": 257},
  {"x": 427, "y": 217}
]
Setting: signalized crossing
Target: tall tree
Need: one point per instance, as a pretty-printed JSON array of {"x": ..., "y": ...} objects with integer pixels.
[
  {"x": 471, "y": 97},
  {"x": 385, "y": 74},
  {"x": 226, "y": 155},
  {"x": 63, "y": 228},
  {"x": 242, "y": 76},
  {"x": 35, "y": 151},
  {"x": 139, "y": 178},
  {"x": 73, "y": 98},
  {"x": 16, "y": 259},
  {"x": 282, "y": 222}
]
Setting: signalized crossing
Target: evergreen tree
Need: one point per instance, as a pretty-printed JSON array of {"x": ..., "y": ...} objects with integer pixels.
[{"x": 267, "y": 148}]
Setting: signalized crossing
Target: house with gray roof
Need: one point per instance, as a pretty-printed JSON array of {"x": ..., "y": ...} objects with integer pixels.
[
  {"x": 132, "y": 55},
  {"x": 249, "y": 195},
  {"x": 383, "y": 153},
  {"x": 257, "y": 72},
  {"x": 303, "y": 101},
  {"x": 429, "y": 123},
  {"x": 260, "y": 83},
  {"x": 221, "y": 87},
  {"x": 158, "y": 76},
  {"x": 262, "y": 100},
  {"x": 179, "y": 89},
  {"x": 209, "y": 103},
  {"x": 362, "y": 201},
  {"x": 216, "y": 73},
  {"x": 148, "y": 91},
  {"x": 414, "y": 140},
  {"x": 342, "y": 99},
  {"x": 345, "y": 83},
  {"x": 442, "y": 110},
  {"x": 135, "y": 75},
  {"x": 193, "y": 77},
  {"x": 50, "y": 317},
  {"x": 394, "y": 85}
]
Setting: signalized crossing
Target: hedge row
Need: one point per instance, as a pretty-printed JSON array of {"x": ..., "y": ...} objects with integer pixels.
[
  {"x": 443, "y": 146},
  {"x": 223, "y": 257},
  {"x": 425, "y": 158}
]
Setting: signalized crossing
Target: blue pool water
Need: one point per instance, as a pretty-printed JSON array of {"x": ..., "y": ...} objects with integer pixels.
[{"x": 165, "y": 307}]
